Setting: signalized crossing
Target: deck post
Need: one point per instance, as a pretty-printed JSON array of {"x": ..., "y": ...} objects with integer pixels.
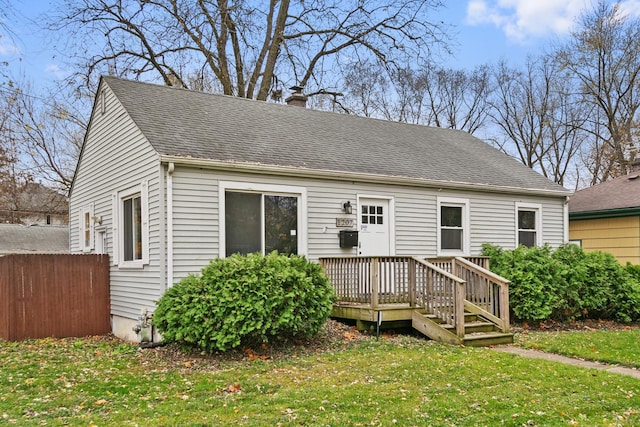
[
  {"x": 504, "y": 307},
  {"x": 459, "y": 308},
  {"x": 454, "y": 267},
  {"x": 412, "y": 282},
  {"x": 374, "y": 282}
]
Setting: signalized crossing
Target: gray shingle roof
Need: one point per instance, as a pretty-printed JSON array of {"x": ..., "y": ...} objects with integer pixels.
[
  {"x": 20, "y": 239},
  {"x": 619, "y": 193},
  {"x": 190, "y": 124}
]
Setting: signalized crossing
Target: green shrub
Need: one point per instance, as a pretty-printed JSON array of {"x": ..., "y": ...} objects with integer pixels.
[
  {"x": 626, "y": 295},
  {"x": 576, "y": 281},
  {"x": 567, "y": 283},
  {"x": 531, "y": 272},
  {"x": 245, "y": 300}
]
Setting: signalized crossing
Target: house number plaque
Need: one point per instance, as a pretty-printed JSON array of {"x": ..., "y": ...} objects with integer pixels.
[{"x": 344, "y": 222}]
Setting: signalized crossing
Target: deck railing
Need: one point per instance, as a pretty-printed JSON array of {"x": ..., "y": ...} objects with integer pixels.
[
  {"x": 388, "y": 280},
  {"x": 445, "y": 287},
  {"x": 372, "y": 280},
  {"x": 441, "y": 294},
  {"x": 484, "y": 289}
]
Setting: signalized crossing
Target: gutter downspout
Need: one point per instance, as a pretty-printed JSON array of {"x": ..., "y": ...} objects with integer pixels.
[
  {"x": 565, "y": 211},
  {"x": 170, "y": 169}
]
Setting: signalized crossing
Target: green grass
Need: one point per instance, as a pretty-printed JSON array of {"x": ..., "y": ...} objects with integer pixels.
[
  {"x": 620, "y": 347},
  {"x": 404, "y": 381}
]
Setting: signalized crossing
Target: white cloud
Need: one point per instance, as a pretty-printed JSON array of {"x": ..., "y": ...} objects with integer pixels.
[
  {"x": 7, "y": 48},
  {"x": 522, "y": 20},
  {"x": 630, "y": 8},
  {"x": 54, "y": 69}
]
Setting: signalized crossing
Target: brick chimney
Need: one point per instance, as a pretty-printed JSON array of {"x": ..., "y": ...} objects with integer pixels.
[{"x": 297, "y": 98}]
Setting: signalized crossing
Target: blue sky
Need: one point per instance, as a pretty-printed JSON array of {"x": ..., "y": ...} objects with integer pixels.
[{"x": 485, "y": 31}]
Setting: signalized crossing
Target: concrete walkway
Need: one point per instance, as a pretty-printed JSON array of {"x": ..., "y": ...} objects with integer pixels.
[{"x": 535, "y": 354}]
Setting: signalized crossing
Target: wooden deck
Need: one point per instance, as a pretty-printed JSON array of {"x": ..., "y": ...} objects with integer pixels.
[{"x": 454, "y": 300}]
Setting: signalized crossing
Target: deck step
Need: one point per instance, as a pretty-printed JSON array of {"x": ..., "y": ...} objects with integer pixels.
[
  {"x": 474, "y": 327},
  {"x": 487, "y": 339},
  {"x": 477, "y": 331}
]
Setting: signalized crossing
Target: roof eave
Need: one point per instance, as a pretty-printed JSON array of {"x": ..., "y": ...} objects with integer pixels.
[
  {"x": 354, "y": 176},
  {"x": 605, "y": 213}
]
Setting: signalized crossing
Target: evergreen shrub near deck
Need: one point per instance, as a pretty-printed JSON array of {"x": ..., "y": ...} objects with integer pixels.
[
  {"x": 566, "y": 284},
  {"x": 246, "y": 300}
]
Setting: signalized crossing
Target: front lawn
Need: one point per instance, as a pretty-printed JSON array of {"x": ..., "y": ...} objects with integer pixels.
[
  {"x": 621, "y": 347},
  {"x": 394, "y": 381}
]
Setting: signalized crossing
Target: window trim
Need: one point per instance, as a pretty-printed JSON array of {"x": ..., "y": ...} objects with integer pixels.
[
  {"x": 466, "y": 230},
  {"x": 270, "y": 189},
  {"x": 118, "y": 225},
  {"x": 577, "y": 242},
  {"x": 83, "y": 228},
  {"x": 531, "y": 207}
]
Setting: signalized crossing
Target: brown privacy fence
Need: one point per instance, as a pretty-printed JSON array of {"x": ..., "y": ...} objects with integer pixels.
[{"x": 53, "y": 296}]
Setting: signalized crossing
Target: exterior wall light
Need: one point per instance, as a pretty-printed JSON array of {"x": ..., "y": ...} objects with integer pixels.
[{"x": 346, "y": 207}]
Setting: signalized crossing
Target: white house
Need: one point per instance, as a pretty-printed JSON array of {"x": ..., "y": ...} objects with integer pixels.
[{"x": 170, "y": 178}]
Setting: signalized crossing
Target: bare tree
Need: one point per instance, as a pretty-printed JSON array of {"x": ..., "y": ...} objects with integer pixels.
[
  {"x": 603, "y": 56},
  {"x": 520, "y": 110},
  {"x": 431, "y": 95},
  {"x": 45, "y": 136},
  {"x": 14, "y": 176},
  {"x": 242, "y": 48},
  {"x": 456, "y": 99},
  {"x": 366, "y": 88},
  {"x": 540, "y": 121}
]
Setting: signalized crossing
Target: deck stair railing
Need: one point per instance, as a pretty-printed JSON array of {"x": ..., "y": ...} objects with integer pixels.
[
  {"x": 441, "y": 294},
  {"x": 486, "y": 293},
  {"x": 443, "y": 287}
]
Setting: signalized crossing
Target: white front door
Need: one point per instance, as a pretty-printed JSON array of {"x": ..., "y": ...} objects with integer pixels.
[{"x": 374, "y": 238}]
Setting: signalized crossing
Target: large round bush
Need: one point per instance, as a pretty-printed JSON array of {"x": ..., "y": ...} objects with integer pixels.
[{"x": 244, "y": 300}]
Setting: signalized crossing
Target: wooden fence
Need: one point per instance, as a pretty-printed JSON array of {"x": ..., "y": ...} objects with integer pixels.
[{"x": 53, "y": 296}]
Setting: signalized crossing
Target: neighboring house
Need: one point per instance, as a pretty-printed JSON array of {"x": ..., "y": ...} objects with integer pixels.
[
  {"x": 34, "y": 203},
  {"x": 27, "y": 239},
  {"x": 606, "y": 217},
  {"x": 169, "y": 179}
]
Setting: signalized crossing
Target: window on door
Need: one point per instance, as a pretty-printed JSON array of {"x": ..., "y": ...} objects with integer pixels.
[
  {"x": 453, "y": 226},
  {"x": 528, "y": 217},
  {"x": 261, "y": 222},
  {"x": 372, "y": 214}
]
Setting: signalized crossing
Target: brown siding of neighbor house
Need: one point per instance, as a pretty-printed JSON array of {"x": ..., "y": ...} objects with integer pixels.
[{"x": 618, "y": 236}]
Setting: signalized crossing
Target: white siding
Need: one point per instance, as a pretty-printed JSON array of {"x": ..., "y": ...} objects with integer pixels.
[
  {"x": 195, "y": 220},
  {"x": 116, "y": 156},
  {"x": 492, "y": 216}
]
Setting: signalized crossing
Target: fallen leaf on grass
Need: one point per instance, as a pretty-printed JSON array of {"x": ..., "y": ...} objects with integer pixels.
[
  {"x": 100, "y": 402},
  {"x": 252, "y": 355},
  {"x": 349, "y": 336},
  {"x": 233, "y": 388}
]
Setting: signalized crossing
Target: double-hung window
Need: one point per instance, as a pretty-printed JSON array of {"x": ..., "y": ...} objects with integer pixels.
[
  {"x": 453, "y": 226},
  {"x": 528, "y": 221},
  {"x": 262, "y": 219},
  {"x": 86, "y": 228},
  {"x": 131, "y": 227}
]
